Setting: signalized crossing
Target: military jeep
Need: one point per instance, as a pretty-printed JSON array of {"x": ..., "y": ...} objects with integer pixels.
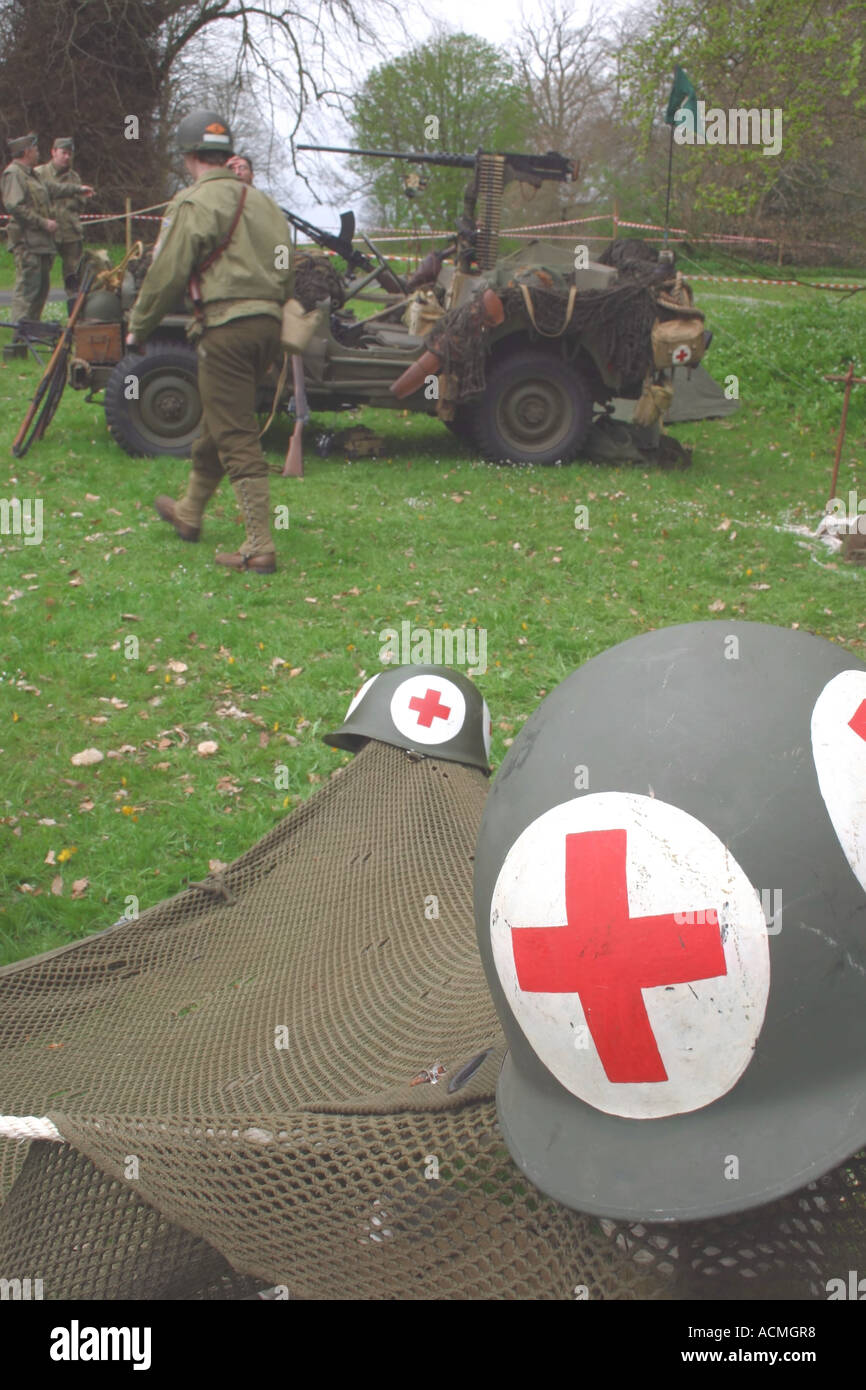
[{"x": 523, "y": 389}]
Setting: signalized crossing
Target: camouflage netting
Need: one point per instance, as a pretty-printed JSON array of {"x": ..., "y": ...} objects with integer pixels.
[
  {"x": 317, "y": 279},
  {"x": 620, "y": 320},
  {"x": 347, "y": 935}
]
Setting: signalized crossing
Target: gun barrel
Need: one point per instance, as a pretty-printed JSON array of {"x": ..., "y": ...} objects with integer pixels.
[
  {"x": 535, "y": 166},
  {"x": 451, "y": 161}
]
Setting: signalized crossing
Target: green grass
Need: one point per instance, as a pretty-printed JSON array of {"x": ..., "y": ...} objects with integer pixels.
[{"x": 429, "y": 534}]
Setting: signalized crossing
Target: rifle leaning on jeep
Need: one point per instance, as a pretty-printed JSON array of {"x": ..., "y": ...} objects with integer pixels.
[
  {"x": 478, "y": 230},
  {"x": 53, "y": 381}
]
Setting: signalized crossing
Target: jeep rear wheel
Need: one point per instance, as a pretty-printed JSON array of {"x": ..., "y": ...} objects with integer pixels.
[
  {"x": 152, "y": 405},
  {"x": 536, "y": 409}
]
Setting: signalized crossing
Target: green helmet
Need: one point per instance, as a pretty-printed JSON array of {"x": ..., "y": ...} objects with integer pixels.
[
  {"x": 427, "y": 709},
  {"x": 102, "y": 306},
  {"x": 677, "y": 1050},
  {"x": 202, "y": 130}
]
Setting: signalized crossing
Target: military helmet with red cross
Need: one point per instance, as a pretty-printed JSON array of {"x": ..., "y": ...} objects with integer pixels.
[
  {"x": 670, "y": 897},
  {"x": 430, "y": 710}
]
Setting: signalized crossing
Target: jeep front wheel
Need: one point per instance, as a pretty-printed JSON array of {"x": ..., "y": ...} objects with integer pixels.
[
  {"x": 536, "y": 409},
  {"x": 152, "y": 405}
]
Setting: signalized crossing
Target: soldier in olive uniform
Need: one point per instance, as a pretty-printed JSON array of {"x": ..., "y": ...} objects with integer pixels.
[
  {"x": 29, "y": 235},
  {"x": 67, "y": 194},
  {"x": 241, "y": 294}
]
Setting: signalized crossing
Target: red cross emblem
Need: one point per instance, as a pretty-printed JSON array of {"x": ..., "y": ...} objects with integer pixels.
[
  {"x": 429, "y": 708},
  {"x": 682, "y": 354},
  {"x": 608, "y": 957},
  {"x": 858, "y": 722}
]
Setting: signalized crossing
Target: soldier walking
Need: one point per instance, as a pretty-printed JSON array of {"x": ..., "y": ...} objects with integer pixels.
[
  {"x": 225, "y": 243},
  {"x": 67, "y": 195},
  {"x": 29, "y": 236}
]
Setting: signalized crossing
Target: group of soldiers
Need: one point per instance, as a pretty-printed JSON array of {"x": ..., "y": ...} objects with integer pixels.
[
  {"x": 44, "y": 203},
  {"x": 218, "y": 249}
]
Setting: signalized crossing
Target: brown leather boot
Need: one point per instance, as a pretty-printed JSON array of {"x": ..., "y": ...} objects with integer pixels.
[
  {"x": 165, "y": 506},
  {"x": 262, "y": 564},
  {"x": 257, "y": 552}
]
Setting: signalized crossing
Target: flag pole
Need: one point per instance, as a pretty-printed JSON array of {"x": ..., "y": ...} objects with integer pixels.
[{"x": 670, "y": 170}]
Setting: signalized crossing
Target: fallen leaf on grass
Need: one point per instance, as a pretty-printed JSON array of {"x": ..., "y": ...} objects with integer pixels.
[
  {"x": 216, "y": 866},
  {"x": 86, "y": 805},
  {"x": 80, "y": 887},
  {"x": 177, "y": 666},
  {"x": 57, "y": 886},
  {"x": 49, "y": 858},
  {"x": 717, "y": 606},
  {"x": 86, "y": 757},
  {"x": 208, "y": 747}
]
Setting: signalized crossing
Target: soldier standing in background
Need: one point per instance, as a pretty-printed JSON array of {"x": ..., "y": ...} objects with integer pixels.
[
  {"x": 67, "y": 194},
  {"x": 29, "y": 235},
  {"x": 242, "y": 167},
  {"x": 227, "y": 246}
]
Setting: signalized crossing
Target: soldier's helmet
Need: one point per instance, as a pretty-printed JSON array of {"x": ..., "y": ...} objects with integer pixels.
[
  {"x": 430, "y": 710},
  {"x": 670, "y": 898},
  {"x": 202, "y": 130}
]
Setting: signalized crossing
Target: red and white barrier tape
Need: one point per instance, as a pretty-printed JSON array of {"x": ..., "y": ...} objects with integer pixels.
[{"x": 799, "y": 284}]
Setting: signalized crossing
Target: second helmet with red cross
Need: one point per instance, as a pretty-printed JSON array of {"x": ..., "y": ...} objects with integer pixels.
[
  {"x": 430, "y": 710},
  {"x": 670, "y": 898}
]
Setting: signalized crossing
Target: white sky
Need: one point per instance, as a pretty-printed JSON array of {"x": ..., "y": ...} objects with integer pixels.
[{"x": 494, "y": 20}]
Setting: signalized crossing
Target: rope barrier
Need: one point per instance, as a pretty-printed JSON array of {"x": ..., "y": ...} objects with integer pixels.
[{"x": 29, "y": 1127}]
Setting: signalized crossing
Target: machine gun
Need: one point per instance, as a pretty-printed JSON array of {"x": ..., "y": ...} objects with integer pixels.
[
  {"x": 342, "y": 245},
  {"x": 478, "y": 232}
]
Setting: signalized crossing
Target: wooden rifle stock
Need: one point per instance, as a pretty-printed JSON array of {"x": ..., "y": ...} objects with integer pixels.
[
  {"x": 294, "y": 464},
  {"x": 47, "y": 375}
]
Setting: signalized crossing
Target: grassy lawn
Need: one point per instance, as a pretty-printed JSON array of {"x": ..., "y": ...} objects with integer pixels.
[{"x": 261, "y": 666}]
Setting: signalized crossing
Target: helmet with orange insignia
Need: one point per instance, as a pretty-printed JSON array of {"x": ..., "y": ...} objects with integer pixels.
[{"x": 202, "y": 130}]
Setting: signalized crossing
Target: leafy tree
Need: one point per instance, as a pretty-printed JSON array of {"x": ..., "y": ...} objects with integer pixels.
[
  {"x": 455, "y": 93},
  {"x": 804, "y": 56}
]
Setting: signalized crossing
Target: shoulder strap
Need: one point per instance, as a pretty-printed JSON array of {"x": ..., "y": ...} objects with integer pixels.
[
  {"x": 217, "y": 252},
  {"x": 194, "y": 279}
]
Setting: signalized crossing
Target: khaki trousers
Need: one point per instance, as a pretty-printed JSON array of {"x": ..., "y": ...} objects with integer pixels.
[
  {"x": 233, "y": 361},
  {"x": 31, "y": 284}
]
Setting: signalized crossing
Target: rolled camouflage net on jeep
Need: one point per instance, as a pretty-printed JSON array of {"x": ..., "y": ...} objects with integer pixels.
[
  {"x": 316, "y": 279},
  {"x": 244, "y": 1081},
  {"x": 620, "y": 320}
]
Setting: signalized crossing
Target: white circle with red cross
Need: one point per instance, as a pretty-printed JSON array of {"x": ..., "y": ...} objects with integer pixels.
[
  {"x": 428, "y": 709},
  {"x": 839, "y": 750},
  {"x": 632, "y": 950},
  {"x": 682, "y": 355}
]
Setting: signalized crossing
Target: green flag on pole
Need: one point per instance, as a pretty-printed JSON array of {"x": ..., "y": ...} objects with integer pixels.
[{"x": 683, "y": 96}]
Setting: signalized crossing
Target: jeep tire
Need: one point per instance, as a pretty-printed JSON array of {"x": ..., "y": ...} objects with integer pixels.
[
  {"x": 152, "y": 404},
  {"x": 536, "y": 409}
]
